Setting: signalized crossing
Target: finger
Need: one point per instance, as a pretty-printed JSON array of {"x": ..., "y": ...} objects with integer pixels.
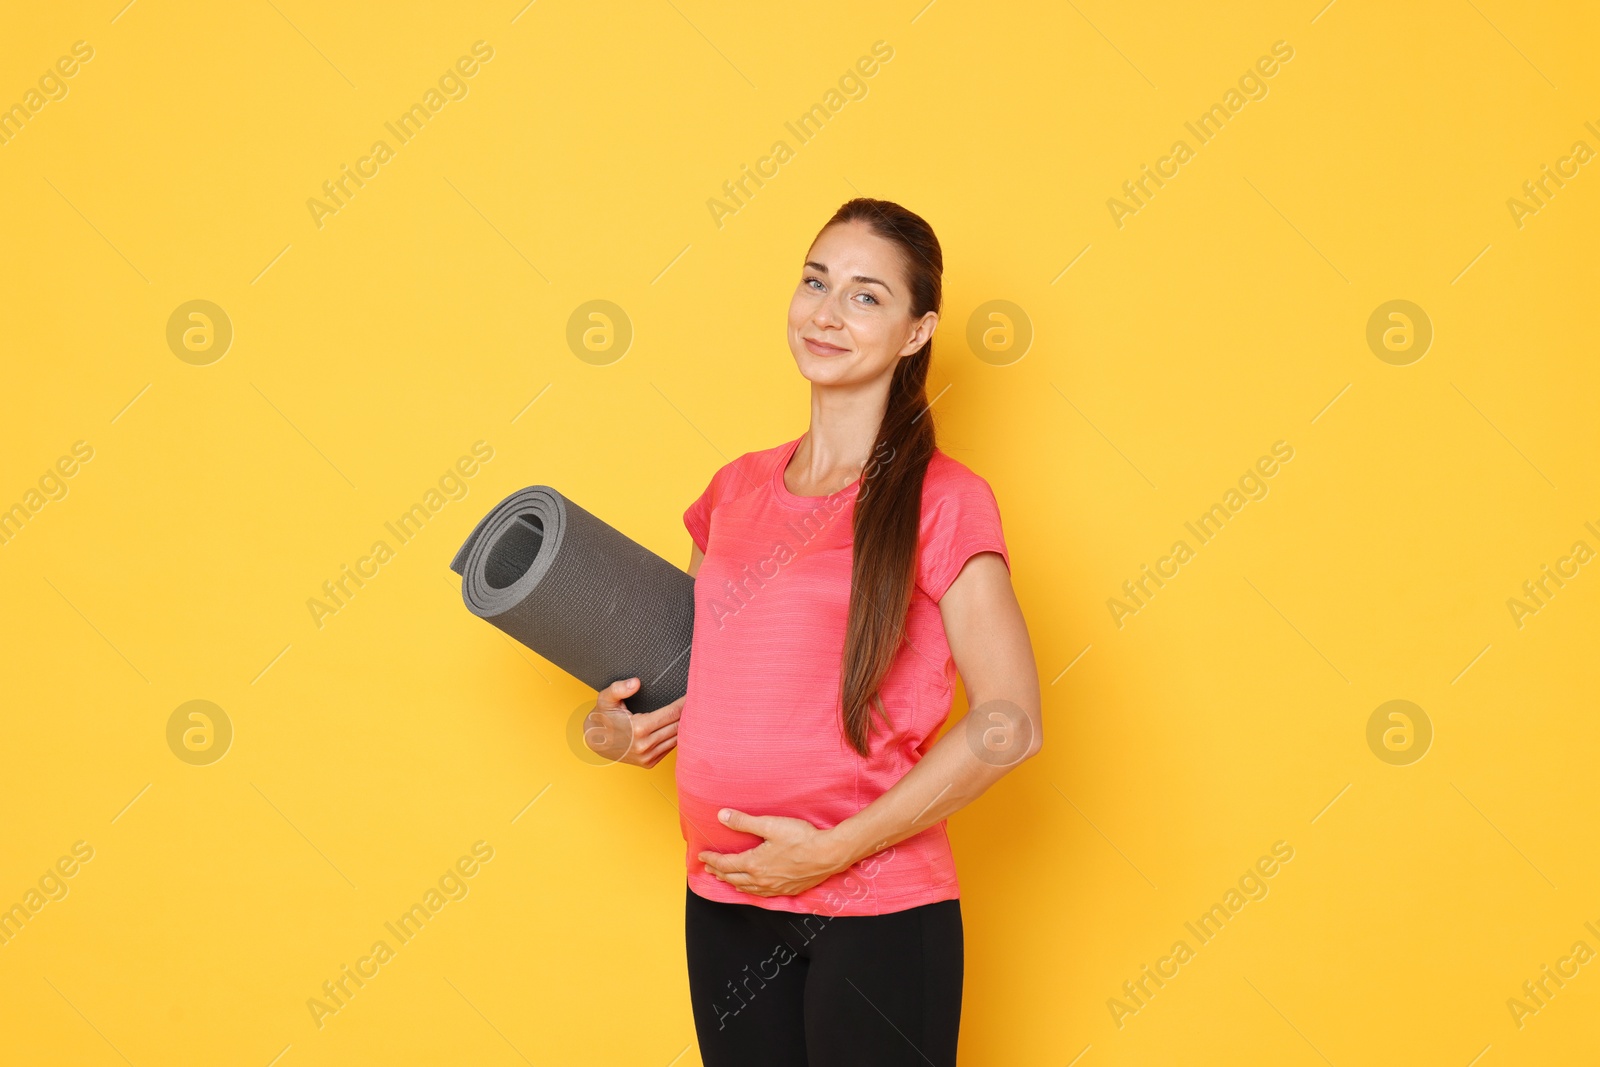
[
  {"x": 750, "y": 824},
  {"x": 653, "y": 720},
  {"x": 613, "y": 694},
  {"x": 660, "y": 749},
  {"x": 649, "y": 722},
  {"x": 655, "y": 755},
  {"x": 655, "y": 737}
]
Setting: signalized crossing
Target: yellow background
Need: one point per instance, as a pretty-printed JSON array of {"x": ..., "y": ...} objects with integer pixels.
[{"x": 370, "y": 353}]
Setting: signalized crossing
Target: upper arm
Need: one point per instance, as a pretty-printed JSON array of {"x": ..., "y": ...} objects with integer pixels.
[
  {"x": 695, "y": 556},
  {"x": 989, "y": 641}
]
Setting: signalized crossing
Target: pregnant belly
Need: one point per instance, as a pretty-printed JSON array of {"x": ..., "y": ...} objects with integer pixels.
[{"x": 821, "y": 800}]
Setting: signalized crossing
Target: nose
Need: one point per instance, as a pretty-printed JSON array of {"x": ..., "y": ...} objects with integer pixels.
[{"x": 827, "y": 313}]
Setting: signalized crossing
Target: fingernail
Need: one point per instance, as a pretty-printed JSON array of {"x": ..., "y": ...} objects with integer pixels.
[{"x": 724, "y": 814}]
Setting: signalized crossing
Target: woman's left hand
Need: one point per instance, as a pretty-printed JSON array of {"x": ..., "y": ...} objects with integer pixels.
[{"x": 794, "y": 857}]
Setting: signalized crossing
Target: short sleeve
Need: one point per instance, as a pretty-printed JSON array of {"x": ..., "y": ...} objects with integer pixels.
[
  {"x": 697, "y": 518},
  {"x": 960, "y": 518},
  {"x": 730, "y": 480}
]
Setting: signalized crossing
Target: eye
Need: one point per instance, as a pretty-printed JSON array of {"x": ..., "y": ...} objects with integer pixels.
[
  {"x": 808, "y": 280},
  {"x": 869, "y": 296}
]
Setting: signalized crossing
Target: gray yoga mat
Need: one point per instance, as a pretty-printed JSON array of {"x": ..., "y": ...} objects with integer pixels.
[{"x": 583, "y": 595}]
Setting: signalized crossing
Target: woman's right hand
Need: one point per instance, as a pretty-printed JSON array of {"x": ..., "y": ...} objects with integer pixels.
[{"x": 614, "y": 732}]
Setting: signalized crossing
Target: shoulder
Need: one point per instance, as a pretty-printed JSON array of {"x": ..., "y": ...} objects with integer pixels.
[
  {"x": 948, "y": 478},
  {"x": 748, "y": 471},
  {"x": 960, "y": 518}
]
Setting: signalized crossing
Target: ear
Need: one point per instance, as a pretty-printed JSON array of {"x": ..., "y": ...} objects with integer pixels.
[{"x": 920, "y": 333}]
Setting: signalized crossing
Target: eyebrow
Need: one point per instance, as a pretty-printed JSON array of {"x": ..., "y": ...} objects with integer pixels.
[{"x": 858, "y": 278}]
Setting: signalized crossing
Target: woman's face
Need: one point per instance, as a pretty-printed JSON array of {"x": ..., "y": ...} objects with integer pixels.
[{"x": 850, "y": 320}]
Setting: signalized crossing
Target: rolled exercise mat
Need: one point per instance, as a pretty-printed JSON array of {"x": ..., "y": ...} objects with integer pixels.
[{"x": 586, "y": 597}]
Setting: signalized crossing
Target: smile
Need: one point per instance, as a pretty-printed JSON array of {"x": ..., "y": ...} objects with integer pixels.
[{"x": 821, "y": 349}]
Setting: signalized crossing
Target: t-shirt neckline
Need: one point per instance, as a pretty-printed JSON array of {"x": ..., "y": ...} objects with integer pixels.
[{"x": 794, "y": 500}]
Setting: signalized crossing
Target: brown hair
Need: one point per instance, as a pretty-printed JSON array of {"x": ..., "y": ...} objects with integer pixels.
[{"x": 888, "y": 509}]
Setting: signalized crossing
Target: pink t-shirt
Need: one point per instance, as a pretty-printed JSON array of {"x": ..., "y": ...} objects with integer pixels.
[{"x": 760, "y": 729}]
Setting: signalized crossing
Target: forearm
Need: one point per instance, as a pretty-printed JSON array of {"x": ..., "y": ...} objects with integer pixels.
[{"x": 947, "y": 779}]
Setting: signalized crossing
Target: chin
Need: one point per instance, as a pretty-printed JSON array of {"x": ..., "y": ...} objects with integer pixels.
[{"x": 820, "y": 369}]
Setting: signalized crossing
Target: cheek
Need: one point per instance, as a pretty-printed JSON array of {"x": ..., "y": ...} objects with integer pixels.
[
  {"x": 800, "y": 308},
  {"x": 868, "y": 329}
]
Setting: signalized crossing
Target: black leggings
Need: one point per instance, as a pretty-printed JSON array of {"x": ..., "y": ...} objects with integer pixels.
[{"x": 784, "y": 989}]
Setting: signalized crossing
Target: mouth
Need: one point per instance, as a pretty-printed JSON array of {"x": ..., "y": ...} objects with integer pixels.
[{"x": 821, "y": 348}]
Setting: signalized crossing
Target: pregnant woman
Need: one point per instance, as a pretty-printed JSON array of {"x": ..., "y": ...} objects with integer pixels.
[{"x": 841, "y": 581}]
